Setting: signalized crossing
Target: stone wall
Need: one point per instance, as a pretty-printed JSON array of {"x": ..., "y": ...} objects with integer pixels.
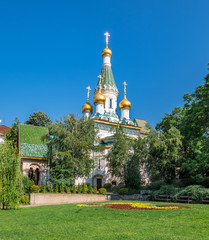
[{"x": 58, "y": 198}]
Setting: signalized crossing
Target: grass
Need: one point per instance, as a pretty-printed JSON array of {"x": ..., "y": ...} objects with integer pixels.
[{"x": 71, "y": 222}]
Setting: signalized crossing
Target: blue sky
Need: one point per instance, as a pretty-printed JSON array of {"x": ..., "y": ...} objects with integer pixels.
[{"x": 51, "y": 50}]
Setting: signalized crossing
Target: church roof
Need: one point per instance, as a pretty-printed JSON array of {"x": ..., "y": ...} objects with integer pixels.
[
  {"x": 107, "y": 77},
  {"x": 31, "y": 143},
  {"x": 4, "y": 128},
  {"x": 142, "y": 123}
]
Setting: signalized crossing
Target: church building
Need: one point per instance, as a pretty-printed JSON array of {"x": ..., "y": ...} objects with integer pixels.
[{"x": 106, "y": 119}]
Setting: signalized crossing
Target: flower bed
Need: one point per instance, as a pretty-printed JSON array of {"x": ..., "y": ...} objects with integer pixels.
[{"x": 133, "y": 206}]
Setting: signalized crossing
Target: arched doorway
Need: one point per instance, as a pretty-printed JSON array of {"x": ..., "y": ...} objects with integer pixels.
[
  {"x": 98, "y": 180},
  {"x": 34, "y": 174}
]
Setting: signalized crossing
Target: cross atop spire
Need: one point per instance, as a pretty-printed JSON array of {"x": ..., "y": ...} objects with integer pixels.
[
  {"x": 125, "y": 84},
  {"x": 107, "y": 36},
  {"x": 89, "y": 89},
  {"x": 100, "y": 81}
]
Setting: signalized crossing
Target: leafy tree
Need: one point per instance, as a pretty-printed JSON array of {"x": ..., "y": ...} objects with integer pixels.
[
  {"x": 163, "y": 153},
  {"x": 72, "y": 143},
  {"x": 39, "y": 119},
  {"x": 135, "y": 163},
  {"x": 11, "y": 178},
  {"x": 193, "y": 122},
  {"x": 172, "y": 120},
  {"x": 12, "y": 135},
  {"x": 119, "y": 154}
]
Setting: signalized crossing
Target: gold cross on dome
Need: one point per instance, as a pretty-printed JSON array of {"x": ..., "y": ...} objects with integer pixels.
[
  {"x": 100, "y": 80},
  {"x": 125, "y": 84},
  {"x": 89, "y": 89},
  {"x": 107, "y": 36}
]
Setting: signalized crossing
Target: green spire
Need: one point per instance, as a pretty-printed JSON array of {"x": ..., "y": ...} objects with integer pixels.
[{"x": 107, "y": 77}]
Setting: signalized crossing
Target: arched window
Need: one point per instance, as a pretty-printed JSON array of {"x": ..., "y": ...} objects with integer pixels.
[{"x": 31, "y": 175}]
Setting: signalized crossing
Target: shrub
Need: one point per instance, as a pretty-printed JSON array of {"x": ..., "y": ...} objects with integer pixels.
[
  {"x": 43, "y": 189},
  {"x": 102, "y": 191},
  {"x": 35, "y": 189},
  {"x": 165, "y": 190},
  {"x": 31, "y": 184},
  {"x": 62, "y": 188},
  {"x": 95, "y": 189},
  {"x": 50, "y": 187},
  {"x": 84, "y": 188},
  {"x": 90, "y": 189},
  {"x": 79, "y": 189},
  {"x": 123, "y": 191},
  {"x": 56, "y": 188},
  {"x": 67, "y": 189},
  {"x": 108, "y": 186},
  {"x": 197, "y": 192},
  {"x": 74, "y": 189},
  {"x": 26, "y": 184},
  {"x": 25, "y": 199},
  {"x": 155, "y": 185}
]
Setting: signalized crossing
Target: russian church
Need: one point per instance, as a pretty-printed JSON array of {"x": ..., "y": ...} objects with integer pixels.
[
  {"x": 106, "y": 120},
  {"x": 33, "y": 151}
]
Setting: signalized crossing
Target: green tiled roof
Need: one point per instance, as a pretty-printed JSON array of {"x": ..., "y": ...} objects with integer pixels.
[
  {"x": 107, "y": 77},
  {"x": 141, "y": 123},
  {"x": 31, "y": 143}
]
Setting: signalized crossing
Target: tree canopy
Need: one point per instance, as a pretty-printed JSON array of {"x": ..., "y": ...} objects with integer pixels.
[
  {"x": 192, "y": 120},
  {"x": 11, "y": 179},
  {"x": 71, "y": 143},
  {"x": 39, "y": 119}
]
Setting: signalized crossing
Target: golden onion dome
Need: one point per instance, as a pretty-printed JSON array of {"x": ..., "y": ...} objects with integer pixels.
[
  {"x": 87, "y": 107},
  {"x": 107, "y": 51},
  {"x": 99, "y": 97},
  {"x": 125, "y": 103}
]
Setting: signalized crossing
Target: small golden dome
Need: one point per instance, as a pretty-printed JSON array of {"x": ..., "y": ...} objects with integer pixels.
[
  {"x": 125, "y": 103},
  {"x": 99, "y": 97},
  {"x": 87, "y": 107},
  {"x": 107, "y": 51}
]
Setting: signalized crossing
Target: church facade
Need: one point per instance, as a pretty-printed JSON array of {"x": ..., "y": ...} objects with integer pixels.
[{"x": 106, "y": 120}]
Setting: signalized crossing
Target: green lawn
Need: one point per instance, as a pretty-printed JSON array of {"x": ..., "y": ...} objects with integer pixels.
[{"x": 71, "y": 222}]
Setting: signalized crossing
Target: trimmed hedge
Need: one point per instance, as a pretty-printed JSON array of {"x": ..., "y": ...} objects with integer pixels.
[
  {"x": 123, "y": 191},
  {"x": 102, "y": 191}
]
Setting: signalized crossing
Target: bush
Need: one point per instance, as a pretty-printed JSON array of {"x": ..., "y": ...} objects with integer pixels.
[
  {"x": 74, "y": 189},
  {"x": 123, "y": 191},
  {"x": 56, "y": 188},
  {"x": 62, "y": 188},
  {"x": 165, "y": 190},
  {"x": 35, "y": 189},
  {"x": 155, "y": 185},
  {"x": 95, "y": 189},
  {"x": 197, "y": 192},
  {"x": 102, "y": 191},
  {"x": 84, "y": 188},
  {"x": 31, "y": 184},
  {"x": 90, "y": 189},
  {"x": 108, "y": 186},
  {"x": 25, "y": 199},
  {"x": 26, "y": 184},
  {"x": 67, "y": 189},
  {"x": 50, "y": 187},
  {"x": 43, "y": 189}
]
